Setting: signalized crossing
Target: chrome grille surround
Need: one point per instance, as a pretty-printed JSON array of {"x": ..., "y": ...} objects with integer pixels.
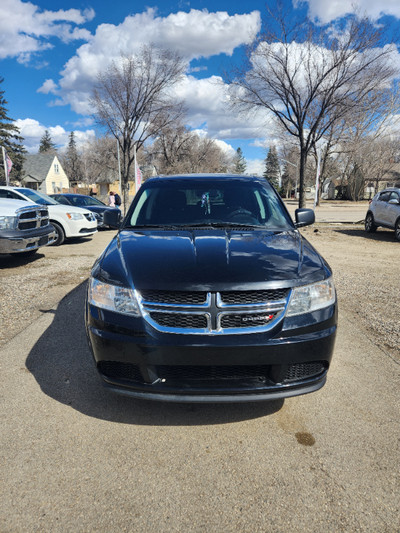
[
  {"x": 212, "y": 316},
  {"x": 32, "y": 218}
]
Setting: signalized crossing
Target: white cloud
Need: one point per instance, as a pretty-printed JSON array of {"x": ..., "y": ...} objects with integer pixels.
[
  {"x": 327, "y": 10},
  {"x": 222, "y": 145},
  {"x": 255, "y": 167},
  {"x": 48, "y": 87},
  {"x": 32, "y": 131},
  {"x": 194, "y": 34},
  {"x": 25, "y": 28},
  {"x": 207, "y": 104}
]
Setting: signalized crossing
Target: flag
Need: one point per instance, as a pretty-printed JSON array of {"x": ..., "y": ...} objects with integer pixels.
[
  {"x": 8, "y": 163},
  {"x": 138, "y": 178}
]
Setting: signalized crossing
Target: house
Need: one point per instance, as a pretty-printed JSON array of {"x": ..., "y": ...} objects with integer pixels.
[
  {"x": 328, "y": 190},
  {"x": 43, "y": 172}
]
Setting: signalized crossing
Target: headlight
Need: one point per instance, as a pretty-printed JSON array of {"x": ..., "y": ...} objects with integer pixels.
[
  {"x": 74, "y": 216},
  {"x": 112, "y": 297},
  {"x": 311, "y": 297},
  {"x": 8, "y": 222}
]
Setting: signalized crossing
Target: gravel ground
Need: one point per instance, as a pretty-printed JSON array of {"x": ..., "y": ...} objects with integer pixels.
[{"x": 366, "y": 269}]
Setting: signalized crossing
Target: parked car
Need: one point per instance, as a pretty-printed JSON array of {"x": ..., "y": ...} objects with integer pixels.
[
  {"x": 68, "y": 222},
  {"x": 24, "y": 227},
  {"x": 210, "y": 293},
  {"x": 384, "y": 210},
  {"x": 88, "y": 202}
]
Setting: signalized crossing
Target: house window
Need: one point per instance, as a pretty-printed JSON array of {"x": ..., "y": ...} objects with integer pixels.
[{"x": 56, "y": 168}]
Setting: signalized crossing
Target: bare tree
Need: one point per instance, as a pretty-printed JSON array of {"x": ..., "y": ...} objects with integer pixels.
[
  {"x": 362, "y": 143},
  {"x": 310, "y": 77},
  {"x": 178, "y": 150},
  {"x": 100, "y": 160},
  {"x": 132, "y": 100}
]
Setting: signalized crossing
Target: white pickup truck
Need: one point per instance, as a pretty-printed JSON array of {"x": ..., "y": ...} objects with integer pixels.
[{"x": 24, "y": 227}]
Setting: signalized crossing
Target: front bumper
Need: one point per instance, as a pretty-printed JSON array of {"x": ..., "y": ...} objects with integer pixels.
[
  {"x": 135, "y": 359},
  {"x": 17, "y": 241},
  {"x": 80, "y": 228}
]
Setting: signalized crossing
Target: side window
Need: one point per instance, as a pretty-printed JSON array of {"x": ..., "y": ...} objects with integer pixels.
[
  {"x": 394, "y": 196},
  {"x": 62, "y": 200},
  {"x": 4, "y": 193},
  {"x": 384, "y": 196}
]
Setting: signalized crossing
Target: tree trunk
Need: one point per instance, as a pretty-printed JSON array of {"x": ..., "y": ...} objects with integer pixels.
[{"x": 302, "y": 171}]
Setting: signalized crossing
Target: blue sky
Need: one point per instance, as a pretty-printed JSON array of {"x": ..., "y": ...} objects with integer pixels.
[{"x": 50, "y": 52}]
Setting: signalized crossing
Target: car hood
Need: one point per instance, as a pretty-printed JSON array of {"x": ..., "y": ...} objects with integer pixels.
[
  {"x": 101, "y": 208},
  {"x": 212, "y": 260}
]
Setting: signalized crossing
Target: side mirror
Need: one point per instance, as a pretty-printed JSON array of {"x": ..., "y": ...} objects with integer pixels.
[
  {"x": 394, "y": 201},
  {"x": 304, "y": 217},
  {"x": 112, "y": 218}
]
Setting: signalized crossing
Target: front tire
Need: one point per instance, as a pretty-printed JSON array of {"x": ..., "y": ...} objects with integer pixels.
[
  {"x": 370, "y": 226},
  {"x": 397, "y": 229},
  {"x": 60, "y": 235}
]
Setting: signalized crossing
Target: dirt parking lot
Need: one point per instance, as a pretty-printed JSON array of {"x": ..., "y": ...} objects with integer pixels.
[{"x": 75, "y": 458}]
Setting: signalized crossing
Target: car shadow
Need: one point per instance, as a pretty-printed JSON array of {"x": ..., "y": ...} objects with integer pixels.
[
  {"x": 17, "y": 260},
  {"x": 62, "y": 365},
  {"x": 380, "y": 235}
]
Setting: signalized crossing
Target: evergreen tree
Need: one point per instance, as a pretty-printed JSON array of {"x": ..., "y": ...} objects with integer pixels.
[
  {"x": 46, "y": 143},
  {"x": 271, "y": 172},
  {"x": 71, "y": 161},
  {"x": 239, "y": 162},
  {"x": 11, "y": 140}
]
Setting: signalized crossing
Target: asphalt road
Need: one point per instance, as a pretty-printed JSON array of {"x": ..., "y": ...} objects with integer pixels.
[{"x": 75, "y": 458}]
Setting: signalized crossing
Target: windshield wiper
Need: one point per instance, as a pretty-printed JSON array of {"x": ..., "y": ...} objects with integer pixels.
[
  {"x": 220, "y": 225},
  {"x": 154, "y": 226}
]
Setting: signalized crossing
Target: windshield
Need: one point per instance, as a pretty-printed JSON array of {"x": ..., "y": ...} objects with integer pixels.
[
  {"x": 82, "y": 201},
  {"x": 37, "y": 197},
  {"x": 209, "y": 202}
]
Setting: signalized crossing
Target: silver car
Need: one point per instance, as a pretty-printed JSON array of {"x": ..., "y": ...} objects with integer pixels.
[{"x": 384, "y": 210}]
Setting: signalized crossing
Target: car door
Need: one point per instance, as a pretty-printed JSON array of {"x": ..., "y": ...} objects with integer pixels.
[
  {"x": 381, "y": 204},
  {"x": 393, "y": 209}
]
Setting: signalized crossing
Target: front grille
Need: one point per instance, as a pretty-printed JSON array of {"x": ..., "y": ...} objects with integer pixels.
[
  {"x": 31, "y": 218},
  {"x": 300, "y": 371},
  {"x": 252, "y": 297},
  {"x": 180, "y": 320},
  {"x": 175, "y": 297},
  {"x": 246, "y": 320},
  {"x": 218, "y": 313}
]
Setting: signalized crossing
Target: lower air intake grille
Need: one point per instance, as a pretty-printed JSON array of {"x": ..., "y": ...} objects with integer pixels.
[
  {"x": 300, "y": 371},
  {"x": 114, "y": 369},
  {"x": 207, "y": 373}
]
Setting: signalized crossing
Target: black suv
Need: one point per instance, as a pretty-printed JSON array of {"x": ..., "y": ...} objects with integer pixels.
[{"x": 209, "y": 293}]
